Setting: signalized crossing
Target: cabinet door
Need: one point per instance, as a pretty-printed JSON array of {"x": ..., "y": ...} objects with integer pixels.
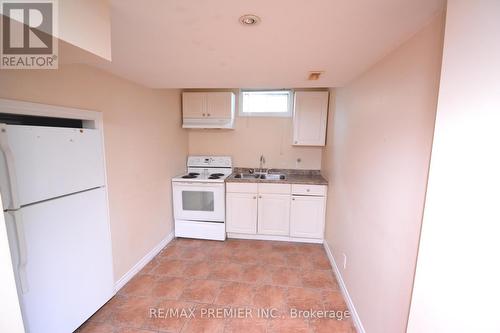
[
  {"x": 309, "y": 118},
  {"x": 241, "y": 213},
  {"x": 307, "y": 217},
  {"x": 194, "y": 104},
  {"x": 274, "y": 214},
  {"x": 220, "y": 104}
]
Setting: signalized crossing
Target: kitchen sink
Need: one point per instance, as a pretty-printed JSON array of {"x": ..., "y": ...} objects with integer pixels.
[
  {"x": 265, "y": 176},
  {"x": 246, "y": 176},
  {"x": 273, "y": 176}
]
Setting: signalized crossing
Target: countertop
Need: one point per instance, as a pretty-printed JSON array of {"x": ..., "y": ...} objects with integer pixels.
[{"x": 308, "y": 177}]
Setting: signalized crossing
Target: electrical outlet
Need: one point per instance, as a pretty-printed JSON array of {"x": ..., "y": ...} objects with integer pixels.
[
  {"x": 297, "y": 162},
  {"x": 345, "y": 261}
]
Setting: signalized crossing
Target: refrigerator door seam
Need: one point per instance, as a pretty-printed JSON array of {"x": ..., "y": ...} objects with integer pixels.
[{"x": 61, "y": 196}]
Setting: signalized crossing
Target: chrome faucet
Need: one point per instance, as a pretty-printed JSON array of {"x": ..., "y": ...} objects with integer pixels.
[{"x": 262, "y": 161}]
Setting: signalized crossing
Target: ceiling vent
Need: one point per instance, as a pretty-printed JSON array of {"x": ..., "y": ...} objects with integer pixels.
[{"x": 314, "y": 76}]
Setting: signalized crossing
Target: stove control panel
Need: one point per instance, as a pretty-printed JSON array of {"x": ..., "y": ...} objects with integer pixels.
[{"x": 209, "y": 161}]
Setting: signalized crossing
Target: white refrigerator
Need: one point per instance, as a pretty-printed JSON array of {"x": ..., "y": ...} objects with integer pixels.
[{"x": 52, "y": 182}]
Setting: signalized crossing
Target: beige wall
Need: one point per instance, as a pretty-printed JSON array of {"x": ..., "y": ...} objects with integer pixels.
[
  {"x": 457, "y": 279},
  {"x": 377, "y": 157},
  {"x": 255, "y": 136},
  {"x": 145, "y": 147}
]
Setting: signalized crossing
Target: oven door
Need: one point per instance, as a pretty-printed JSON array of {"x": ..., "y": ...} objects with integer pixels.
[{"x": 199, "y": 201}]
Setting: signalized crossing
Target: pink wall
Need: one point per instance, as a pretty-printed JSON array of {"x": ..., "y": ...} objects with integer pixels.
[
  {"x": 145, "y": 146},
  {"x": 377, "y": 157},
  {"x": 457, "y": 282}
]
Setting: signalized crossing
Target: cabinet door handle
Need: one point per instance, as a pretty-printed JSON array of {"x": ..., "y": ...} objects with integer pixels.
[
  {"x": 203, "y": 115},
  {"x": 296, "y": 142},
  {"x": 255, "y": 197},
  {"x": 208, "y": 114},
  {"x": 293, "y": 199},
  {"x": 260, "y": 196}
]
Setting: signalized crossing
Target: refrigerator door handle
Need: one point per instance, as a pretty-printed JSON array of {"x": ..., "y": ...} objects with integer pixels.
[
  {"x": 11, "y": 170},
  {"x": 22, "y": 250}
]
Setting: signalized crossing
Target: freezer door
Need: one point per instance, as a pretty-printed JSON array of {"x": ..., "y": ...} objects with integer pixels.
[
  {"x": 65, "y": 265},
  {"x": 39, "y": 163}
]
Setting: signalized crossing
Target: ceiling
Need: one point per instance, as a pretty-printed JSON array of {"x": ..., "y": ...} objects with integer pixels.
[{"x": 201, "y": 44}]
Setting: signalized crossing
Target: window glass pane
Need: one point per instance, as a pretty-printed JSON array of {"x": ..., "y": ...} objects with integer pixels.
[
  {"x": 277, "y": 101},
  {"x": 198, "y": 201}
]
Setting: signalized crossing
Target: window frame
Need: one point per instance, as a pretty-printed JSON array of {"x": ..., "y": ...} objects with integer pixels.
[{"x": 288, "y": 114}]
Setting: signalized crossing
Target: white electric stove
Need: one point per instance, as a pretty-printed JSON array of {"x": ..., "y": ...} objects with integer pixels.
[{"x": 199, "y": 198}]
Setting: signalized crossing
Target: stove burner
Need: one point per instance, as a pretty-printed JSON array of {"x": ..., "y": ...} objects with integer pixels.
[
  {"x": 214, "y": 177},
  {"x": 188, "y": 176},
  {"x": 193, "y": 174},
  {"x": 217, "y": 174}
]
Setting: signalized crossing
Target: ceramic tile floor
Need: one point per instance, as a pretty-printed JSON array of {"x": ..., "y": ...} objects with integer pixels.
[{"x": 207, "y": 277}]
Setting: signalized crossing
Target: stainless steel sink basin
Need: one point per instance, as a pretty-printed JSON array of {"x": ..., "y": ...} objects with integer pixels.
[
  {"x": 246, "y": 176},
  {"x": 265, "y": 176},
  {"x": 273, "y": 176}
]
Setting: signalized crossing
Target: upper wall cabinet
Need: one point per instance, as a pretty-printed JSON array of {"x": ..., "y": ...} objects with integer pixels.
[
  {"x": 310, "y": 117},
  {"x": 208, "y": 109}
]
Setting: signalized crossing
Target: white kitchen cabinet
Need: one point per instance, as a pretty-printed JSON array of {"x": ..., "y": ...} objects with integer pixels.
[
  {"x": 310, "y": 118},
  {"x": 267, "y": 188},
  {"x": 265, "y": 211},
  {"x": 208, "y": 109},
  {"x": 194, "y": 104},
  {"x": 303, "y": 189},
  {"x": 242, "y": 188},
  {"x": 274, "y": 214},
  {"x": 241, "y": 213},
  {"x": 307, "y": 216},
  {"x": 220, "y": 104}
]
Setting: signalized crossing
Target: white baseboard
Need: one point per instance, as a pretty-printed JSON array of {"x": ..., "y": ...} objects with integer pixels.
[
  {"x": 345, "y": 292},
  {"x": 274, "y": 238},
  {"x": 143, "y": 262}
]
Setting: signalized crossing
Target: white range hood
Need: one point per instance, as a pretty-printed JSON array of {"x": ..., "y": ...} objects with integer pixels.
[{"x": 227, "y": 123}]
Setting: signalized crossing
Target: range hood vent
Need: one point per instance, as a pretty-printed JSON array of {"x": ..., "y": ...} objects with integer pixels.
[{"x": 223, "y": 123}]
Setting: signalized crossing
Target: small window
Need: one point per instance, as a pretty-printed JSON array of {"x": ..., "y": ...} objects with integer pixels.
[{"x": 266, "y": 103}]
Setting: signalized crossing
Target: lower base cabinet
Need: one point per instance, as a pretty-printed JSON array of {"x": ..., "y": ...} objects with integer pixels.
[
  {"x": 241, "y": 213},
  {"x": 273, "y": 214},
  {"x": 296, "y": 211},
  {"x": 307, "y": 216}
]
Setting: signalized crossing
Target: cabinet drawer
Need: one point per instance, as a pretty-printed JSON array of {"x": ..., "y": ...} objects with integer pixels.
[
  {"x": 318, "y": 190},
  {"x": 274, "y": 188},
  {"x": 241, "y": 187}
]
